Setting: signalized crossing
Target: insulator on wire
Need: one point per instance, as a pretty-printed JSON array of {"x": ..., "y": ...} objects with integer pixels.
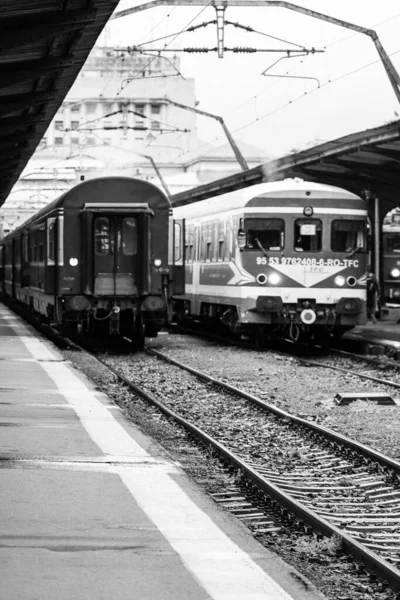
[
  {"x": 241, "y": 50},
  {"x": 199, "y": 50}
]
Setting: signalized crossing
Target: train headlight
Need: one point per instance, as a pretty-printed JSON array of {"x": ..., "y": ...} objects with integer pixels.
[
  {"x": 73, "y": 262},
  {"x": 395, "y": 273},
  {"x": 157, "y": 262},
  {"x": 274, "y": 279},
  {"x": 340, "y": 281},
  {"x": 308, "y": 211}
]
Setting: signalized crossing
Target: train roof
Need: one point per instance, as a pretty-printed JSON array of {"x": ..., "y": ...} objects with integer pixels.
[
  {"x": 273, "y": 193},
  {"x": 391, "y": 229},
  {"x": 76, "y": 196}
]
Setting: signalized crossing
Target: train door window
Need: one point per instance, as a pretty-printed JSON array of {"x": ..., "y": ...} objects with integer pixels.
[
  {"x": 51, "y": 236},
  {"x": 102, "y": 237},
  {"x": 189, "y": 246},
  {"x": 348, "y": 236},
  {"x": 265, "y": 234},
  {"x": 177, "y": 242},
  {"x": 308, "y": 235},
  {"x": 129, "y": 236},
  {"x": 207, "y": 242}
]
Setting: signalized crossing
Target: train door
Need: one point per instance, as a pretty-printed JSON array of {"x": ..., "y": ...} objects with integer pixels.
[
  {"x": 177, "y": 255},
  {"x": 115, "y": 267}
]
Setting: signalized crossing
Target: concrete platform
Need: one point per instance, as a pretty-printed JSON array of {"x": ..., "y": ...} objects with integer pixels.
[
  {"x": 382, "y": 337},
  {"x": 90, "y": 509}
]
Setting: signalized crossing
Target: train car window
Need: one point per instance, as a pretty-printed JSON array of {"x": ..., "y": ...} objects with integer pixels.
[
  {"x": 391, "y": 243},
  {"x": 307, "y": 235},
  {"x": 41, "y": 252},
  {"x": 268, "y": 233},
  {"x": 129, "y": 236},
  {"x": 221, "y": 250},
  {"x": 177, "y": 242},
  {"x": 30, "y": 247},
  {"x": 102, "y": 237},
  {"x": 25, "y": 248},
  {"x": 17, "y": 251},
  {"x": 208, "y": 251},
  {"x": 348, "y": 235}
]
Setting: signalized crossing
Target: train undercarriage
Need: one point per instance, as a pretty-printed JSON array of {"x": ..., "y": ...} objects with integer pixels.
[{"x": 301, "y": 322}]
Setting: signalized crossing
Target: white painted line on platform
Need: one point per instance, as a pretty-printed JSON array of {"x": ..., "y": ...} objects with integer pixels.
[{"x": 224, "y": 570}]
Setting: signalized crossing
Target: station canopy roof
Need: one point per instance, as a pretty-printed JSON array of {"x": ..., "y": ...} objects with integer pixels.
[
  {"x": 43, "y": 46},
  {"x": 366, "y": 163}
]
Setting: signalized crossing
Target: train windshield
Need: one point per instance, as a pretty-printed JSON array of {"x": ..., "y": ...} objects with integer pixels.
[
  {"x": 391, "y": 243},
  {"x": 348, "y": 236},
  {"x": 264, "y": 234},
  {"x": 308, "y": 235}
]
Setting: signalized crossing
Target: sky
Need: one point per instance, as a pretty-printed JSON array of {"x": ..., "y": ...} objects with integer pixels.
[{"x": 347, "y": 90}]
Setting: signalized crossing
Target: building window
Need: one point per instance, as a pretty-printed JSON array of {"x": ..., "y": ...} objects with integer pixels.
[
  {"x": 91, "y": 140},
  {"x": 139, "y": 108},
  {"x": 74, "y": 124},
  {"x": 58, "y": 141},
  {"x": 75, "y": 110},
  {"x": 90, "y": 108},
  {"x": 59, "y": 125},
  {"x": 155, "y": 110},
  {"x": 75, "y": 141},
  {"x": 155, "y": 125}
]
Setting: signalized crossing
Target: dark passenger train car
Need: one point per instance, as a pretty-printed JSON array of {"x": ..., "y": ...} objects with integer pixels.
[
  {"x": 391, "y": 264},
  {"x": 95, "y": 259}
]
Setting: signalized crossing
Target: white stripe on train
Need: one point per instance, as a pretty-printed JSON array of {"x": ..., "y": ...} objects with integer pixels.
[{"x": 288, "y": 295}]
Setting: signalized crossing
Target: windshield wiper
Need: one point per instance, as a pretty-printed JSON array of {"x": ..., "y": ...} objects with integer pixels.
[
  {"x": 352, "y": 253},
  {"x": 259, "y": 244}
]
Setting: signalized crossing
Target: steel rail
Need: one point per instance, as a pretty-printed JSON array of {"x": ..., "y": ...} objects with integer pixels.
[
  {"x": 324, "y": 431},
  {"x": 359, "y": 357},
  {"x": 361, "y": 553}
]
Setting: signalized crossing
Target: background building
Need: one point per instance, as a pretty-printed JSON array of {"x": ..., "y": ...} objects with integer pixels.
[{"x": 115, "y": 120}]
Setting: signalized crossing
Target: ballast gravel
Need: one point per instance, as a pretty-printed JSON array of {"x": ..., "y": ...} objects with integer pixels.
[{"x": 305, "y": 391}]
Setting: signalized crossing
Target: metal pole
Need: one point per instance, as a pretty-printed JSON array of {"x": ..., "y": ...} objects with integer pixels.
[
  {"x": 377, "y": 236},
  {"x": 239, "y": 157}
]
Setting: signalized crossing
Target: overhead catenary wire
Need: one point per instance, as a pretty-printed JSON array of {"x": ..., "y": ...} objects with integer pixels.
[
  {"x": 291, "y": 102},
  {"x": 151, "y": 60}
]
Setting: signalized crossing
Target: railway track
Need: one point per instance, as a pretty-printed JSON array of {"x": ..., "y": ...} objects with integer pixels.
[
  {"x": 309, "y": 476},
  {"x": 325, "y": 361},
  {"x": 321, "y": 478}
]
